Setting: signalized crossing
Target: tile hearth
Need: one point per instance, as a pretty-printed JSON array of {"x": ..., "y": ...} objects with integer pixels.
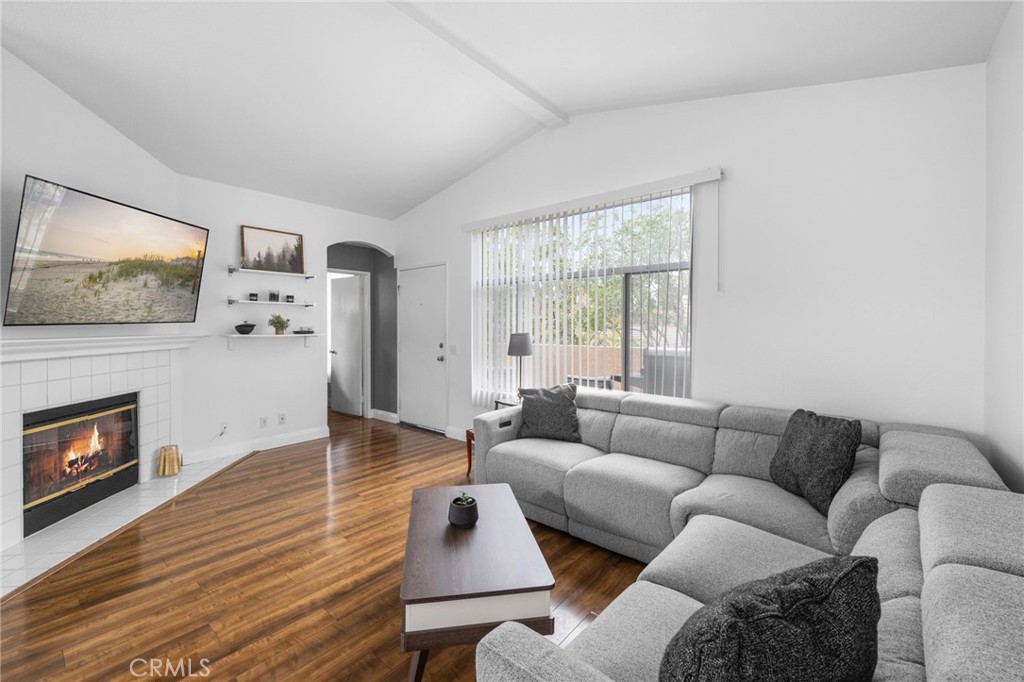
[{"x": 41, "y": 551}]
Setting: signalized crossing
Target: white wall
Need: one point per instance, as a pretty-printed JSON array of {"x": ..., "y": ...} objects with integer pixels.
[
  {"x": 261, "y": 377},
  {"x": 48, "y": 134},
  {"x": 1004, "y": 279},
  {"x": 852, "y": 239}
]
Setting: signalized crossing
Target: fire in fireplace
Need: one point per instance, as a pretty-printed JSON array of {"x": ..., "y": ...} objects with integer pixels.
[{"x": 77, "y": 455}]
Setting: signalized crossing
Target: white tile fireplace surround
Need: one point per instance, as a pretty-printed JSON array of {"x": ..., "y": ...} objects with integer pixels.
[{"x": 44, "y": 373}]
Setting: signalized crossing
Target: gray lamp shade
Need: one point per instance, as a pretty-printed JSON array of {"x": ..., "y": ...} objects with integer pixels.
[{"x": 519, "y": 345}]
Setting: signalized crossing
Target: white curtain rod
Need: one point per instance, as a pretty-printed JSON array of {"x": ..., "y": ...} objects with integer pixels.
[{"x": 656, "y": 187}]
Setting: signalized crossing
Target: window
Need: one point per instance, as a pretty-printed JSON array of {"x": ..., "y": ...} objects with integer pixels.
[{"x": 604, "y": 293}]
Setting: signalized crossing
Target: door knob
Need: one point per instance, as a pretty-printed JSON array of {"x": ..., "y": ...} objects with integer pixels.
[
  {"x": 440, "y": 358},
  {"x": 333, "y": 352}
]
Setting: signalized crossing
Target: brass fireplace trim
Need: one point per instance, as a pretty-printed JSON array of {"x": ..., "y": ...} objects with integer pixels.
[
  {"x": 79, "y": 486},
  {"x": 76, "y": 420}
]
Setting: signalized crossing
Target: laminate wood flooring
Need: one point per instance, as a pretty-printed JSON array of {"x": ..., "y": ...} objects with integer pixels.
[{"x": 285, "y": 566}]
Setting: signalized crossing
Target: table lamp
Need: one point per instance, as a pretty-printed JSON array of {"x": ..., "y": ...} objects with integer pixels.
[{"x": 519, "y": 346}]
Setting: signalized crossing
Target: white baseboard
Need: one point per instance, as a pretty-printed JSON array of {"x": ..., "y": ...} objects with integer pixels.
[
  {"x": 455, "y": 433},
  {"x": 238, "y": 449},
  {"x": 389, "y": 417}
]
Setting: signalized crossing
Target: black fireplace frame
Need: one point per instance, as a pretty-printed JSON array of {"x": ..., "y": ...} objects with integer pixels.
[{"x": 47, "y": 513}]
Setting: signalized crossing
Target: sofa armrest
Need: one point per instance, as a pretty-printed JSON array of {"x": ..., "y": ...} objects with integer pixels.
[
  {"x": 513, "y": 652},
  {"x": 857, "y": 503},
  {"x": 909, "y": 462},
  {"x": 490, "y": 429}
]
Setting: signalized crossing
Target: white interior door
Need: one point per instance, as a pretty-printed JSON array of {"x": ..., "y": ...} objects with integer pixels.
[
  {"x": 346, "y": 350},
  {"x": 422, "y": 352}
]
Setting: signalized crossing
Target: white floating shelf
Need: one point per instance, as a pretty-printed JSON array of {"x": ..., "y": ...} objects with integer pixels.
[
  {"x": 231, "y": 337},
  {"x": 232, "y": 301},
  {"x": 304, "y": 275}
]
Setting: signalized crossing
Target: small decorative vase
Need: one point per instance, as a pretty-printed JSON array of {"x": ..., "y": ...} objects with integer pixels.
[
  {"x": 463, "y": 516},
  {"x": 279, "y": 332},
  {"x": 170, "y": 461}
]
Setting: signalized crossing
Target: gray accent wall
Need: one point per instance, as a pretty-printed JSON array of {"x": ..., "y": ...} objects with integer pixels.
[{"x": 383, "y": 317}]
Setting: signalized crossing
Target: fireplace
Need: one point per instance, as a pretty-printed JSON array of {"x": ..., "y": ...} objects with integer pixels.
[{"x": 77, "y": 455}]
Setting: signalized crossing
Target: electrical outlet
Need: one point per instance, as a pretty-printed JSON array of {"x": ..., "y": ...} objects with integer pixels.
[
  {"x": 281, "y": 419},
  {"x": 264, "y": 422}
]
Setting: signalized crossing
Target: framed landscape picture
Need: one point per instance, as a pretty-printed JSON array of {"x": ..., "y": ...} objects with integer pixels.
[{"x": 272, "y": 250}]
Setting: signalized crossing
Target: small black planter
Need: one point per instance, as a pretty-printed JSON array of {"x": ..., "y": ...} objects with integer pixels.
[{"x": 463, "y": 515}]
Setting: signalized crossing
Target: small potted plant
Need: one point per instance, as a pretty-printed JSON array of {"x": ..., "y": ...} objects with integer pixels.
[
  {"x": 279, "y": 323},
  {"x": 462, "y": 512}
]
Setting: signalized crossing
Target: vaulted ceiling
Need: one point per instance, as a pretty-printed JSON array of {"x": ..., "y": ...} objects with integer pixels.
[{"x": 374, "y": 107}]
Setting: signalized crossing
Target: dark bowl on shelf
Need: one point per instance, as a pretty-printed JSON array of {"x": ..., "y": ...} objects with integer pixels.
[{"x": 245, "y": 328}]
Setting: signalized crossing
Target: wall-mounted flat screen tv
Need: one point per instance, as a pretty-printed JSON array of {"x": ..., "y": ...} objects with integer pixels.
[{"x": 83, "y": 259}]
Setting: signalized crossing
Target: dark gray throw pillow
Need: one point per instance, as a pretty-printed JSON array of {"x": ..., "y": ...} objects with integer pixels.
[
  {"x": 817, "y": 622},
  {"x": 550, "y": 413},
  {"x": 815, "y": 457}
]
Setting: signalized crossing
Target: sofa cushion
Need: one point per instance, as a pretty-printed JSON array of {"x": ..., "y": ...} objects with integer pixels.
[
  {"x": 596, "y": 427},
  {"x": 973, "y": 624},
  {"x": 713, "y": 555},
  {"x": 815, "y": 456},
  {"x": 747, "y": 439},
  {"x": 896, "y": 541},
  {"x": 973, "y": 526},
  {"x": 600, "y": 399},
  {"x": 857, "y": 503},
  {"x": 909, "y": 462},
  {"x": 627, "y": 495},
  {"x": 757, "y": 503},
  {"x": 666, "y": 441},
  {"x": 550, "y": 413},
  {"x": 627, "y": 640},
  {"x": 816, "y": 622},
  {"x": 665, "y": 408},
  {"x": 535, "y": 468},
  {"x": 596, "y": 410},
  {"x": 674, "y": 430},
  {"x": 900, "y": 645}
]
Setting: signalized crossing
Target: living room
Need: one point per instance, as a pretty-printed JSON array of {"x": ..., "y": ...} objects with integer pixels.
[{"x": 866, "y": 251}]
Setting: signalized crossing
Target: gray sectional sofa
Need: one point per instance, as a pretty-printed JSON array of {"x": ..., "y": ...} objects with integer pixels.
[
  {"x": 950, "y": 582},
  {"x": 648, "y": 464},
  {"x": 684, "y": 485}
]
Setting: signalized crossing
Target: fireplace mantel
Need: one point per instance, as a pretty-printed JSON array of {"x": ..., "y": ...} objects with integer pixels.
[{"x": 17, "y": 350}]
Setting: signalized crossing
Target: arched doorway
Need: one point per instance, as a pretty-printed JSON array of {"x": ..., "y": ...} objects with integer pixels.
[{"x": 363, "y": 337}]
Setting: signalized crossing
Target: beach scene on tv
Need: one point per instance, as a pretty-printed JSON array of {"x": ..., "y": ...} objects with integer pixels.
[{"x": 80, "y": 259}]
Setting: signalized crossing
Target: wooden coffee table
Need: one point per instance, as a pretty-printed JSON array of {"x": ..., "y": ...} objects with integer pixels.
[{"x": 457, "y": 584}]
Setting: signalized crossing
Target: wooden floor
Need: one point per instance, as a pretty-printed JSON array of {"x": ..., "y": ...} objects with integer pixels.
[{"x": 284, "y": 567}]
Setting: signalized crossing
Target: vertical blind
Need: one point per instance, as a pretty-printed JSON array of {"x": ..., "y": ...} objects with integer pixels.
[{"x": 603, "y": 291}]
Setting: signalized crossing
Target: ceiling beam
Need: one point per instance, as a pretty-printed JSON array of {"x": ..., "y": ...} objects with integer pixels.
[{"x": 483, "y": 69}]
